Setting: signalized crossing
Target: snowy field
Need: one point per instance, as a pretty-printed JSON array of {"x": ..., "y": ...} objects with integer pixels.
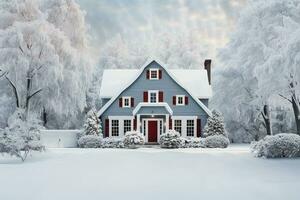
[{"x": 183, "y": 174}]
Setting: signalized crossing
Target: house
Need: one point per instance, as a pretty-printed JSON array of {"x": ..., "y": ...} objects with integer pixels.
[{"x": 154, "y": 99}]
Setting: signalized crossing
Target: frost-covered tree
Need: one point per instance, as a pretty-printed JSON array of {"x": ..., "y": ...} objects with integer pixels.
[
  {"x": 92, "y": 124},
  {"x": 261, "y": 55},
  {"x": 46, "y": 68},
  {"x": 21, "y": 136},
  {"x": 215, "y": 125}
]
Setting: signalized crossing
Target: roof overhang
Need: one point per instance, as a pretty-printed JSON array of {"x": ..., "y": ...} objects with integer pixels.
[{"x": 140, "y": 105}]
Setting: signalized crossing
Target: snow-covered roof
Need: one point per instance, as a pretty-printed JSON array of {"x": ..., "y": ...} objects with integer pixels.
[
  {"x": 140, "y": 105},
  {"x": 135, "y": 75},
  {"x": 194, "y": 80}
]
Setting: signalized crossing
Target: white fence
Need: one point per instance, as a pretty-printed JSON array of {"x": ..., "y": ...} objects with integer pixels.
[{"x": 59, "y": 138}]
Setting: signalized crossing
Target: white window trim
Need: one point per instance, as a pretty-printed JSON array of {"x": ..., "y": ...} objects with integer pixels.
[
  {"x": 157, "y": 72},
  {"x": 184, "y": 124},
  {"x": 129, "y": 102},
  {"x": 121, "y": 124},
  {"x": 183, "y": 100},
  {"x": 149, "y": 96}
]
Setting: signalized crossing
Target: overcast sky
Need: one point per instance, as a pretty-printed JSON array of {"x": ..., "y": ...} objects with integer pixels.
[{"x": 211, "y": 20}]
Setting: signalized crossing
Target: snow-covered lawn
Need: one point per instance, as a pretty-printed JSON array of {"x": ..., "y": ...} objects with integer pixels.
[{"x": 185, "y": 174}]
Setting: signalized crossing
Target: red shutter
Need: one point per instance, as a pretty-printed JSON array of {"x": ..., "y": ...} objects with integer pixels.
[
  {"x": 160, "y": 96},
  {"x": 106, "y": 134},
  {"x": 132, "y": 102},
  {"x": 198, "y": 127},
  {"x": 159, "y": 74},
  {"x": 148, "y": 74},
  {"x": 145, "y": 96},
  {"x": 174, "y": 100},
  {"x": 186, "y": 100},
  {"x": 134, "y": 123},
  {"x": 120, "y": 102},
  {"x": 170, "y": 123}
]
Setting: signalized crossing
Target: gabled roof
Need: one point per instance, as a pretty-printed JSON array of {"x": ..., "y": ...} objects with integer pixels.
[
  {"x": 160, "y": 104},
  {"x": 134, "y": 74},
  {"x": 194, "y": 80}
]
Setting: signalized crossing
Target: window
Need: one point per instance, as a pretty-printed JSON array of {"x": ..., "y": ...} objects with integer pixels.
[
  {"x": 153, "y": 96},
  {"x": 177, "y": 125},
  {"x": 144, "y": 128},
  {"x": 160, "y": 126},
  {"x": 126, "y": 102},
  {"x": 154, "y": 74},
  {"x": 114, "y": 127},
  {"x": 190, "y": 128},
  {"x": 180, "y": 100},
  {"x": 127, "y": 125}
]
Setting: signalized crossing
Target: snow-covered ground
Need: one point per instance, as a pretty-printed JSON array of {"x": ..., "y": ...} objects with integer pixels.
[{"x": 184, "y": 174}]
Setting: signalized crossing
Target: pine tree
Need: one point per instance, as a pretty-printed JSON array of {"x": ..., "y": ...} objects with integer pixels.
[
  {"x": 92, "y": 124},
  {"x": 215, "y": 125}
]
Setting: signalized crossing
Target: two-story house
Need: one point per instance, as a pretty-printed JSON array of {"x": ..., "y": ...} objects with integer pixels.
[{"x": 155, "y": 99}]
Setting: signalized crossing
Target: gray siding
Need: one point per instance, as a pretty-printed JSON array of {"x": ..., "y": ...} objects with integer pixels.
[{"x": 169, "y": 87}]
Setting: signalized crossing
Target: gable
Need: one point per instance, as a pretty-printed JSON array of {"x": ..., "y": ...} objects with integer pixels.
[
  {"x": 140, "y": 83},
  {"x": 194, "y": 80}
]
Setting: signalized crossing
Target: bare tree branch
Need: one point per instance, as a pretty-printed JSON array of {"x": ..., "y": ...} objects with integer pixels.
[
  {"x": 32, "y": 95},
  {"x": 285, "y": 98},
  {"x": 14, "y": 90}
]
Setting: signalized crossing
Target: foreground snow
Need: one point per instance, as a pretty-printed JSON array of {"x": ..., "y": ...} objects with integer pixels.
[{"x": 76, "y": 174}]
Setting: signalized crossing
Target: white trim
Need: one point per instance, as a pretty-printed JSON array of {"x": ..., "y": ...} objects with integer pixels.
[
  {"x": 184, "y": 124},
  {"x": 161, "y": 104},
  {"x": 183, "y": 100},
  {"x": 157, "y": 73},
  {"x": 149, "y": 96},
  {"x": 129, "y": 102},
  {"x": 121, "y": 124},
  {"x": 103, "y": 109},
  {"x": 158, "y": 127}
]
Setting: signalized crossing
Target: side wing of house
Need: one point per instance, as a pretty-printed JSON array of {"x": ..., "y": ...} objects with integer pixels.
[{"x": 152, "y": 104}]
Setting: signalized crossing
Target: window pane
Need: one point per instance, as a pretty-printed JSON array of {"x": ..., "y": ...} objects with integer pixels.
[
  {"x": 127, "y": 126},
  {"x": 153, "y": 97},
  {"x": 177, "y": 126},
  {"x": 115, "y": 127},
  {"x": 190, "y": 127}
]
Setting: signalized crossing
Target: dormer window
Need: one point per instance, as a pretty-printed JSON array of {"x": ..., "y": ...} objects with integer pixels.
[{"x": 154, "y": 74}]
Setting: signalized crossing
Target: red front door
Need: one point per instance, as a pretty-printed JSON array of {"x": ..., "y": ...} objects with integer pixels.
[{"x": 152, "y": 131}]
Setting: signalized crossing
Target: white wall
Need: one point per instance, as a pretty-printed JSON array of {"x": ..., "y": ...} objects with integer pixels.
[{"x": 59, "y": 138}]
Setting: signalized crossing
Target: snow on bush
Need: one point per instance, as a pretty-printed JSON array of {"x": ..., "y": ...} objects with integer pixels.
[
  {"x": 192, "y": 142},
  {"x": 92, "y": 125},
  {"x": 21, "y": 136},
  {"x": 284, "y": 145},
  {"x": 216, "y": 141},
  {"x": 90, "y": 141},
  {"x": 171, "y": 139},
  {"x": 133, "y": 139},
  {"x": 113, "y": 142},
  {"x": 215, "y": 125}
]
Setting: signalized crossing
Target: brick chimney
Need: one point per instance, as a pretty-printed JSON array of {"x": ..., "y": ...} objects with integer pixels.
[{"x": 207, "y": 66}]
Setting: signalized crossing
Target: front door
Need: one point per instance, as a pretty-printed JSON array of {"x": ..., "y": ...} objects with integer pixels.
[{"x": 152, "y": 131}]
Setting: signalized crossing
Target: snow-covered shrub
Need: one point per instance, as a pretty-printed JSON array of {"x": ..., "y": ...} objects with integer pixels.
[
  {"x": 90, "y": 141},
  {"x": 284, "y": 145},
  {"x": 216, "y": 141},
  {"x": 133, "y": 139},
  {"x": 215, "y": 125},
  {"x": 21, "y": 136},
  {"x": 192, "y": 142},
  {"x": 113, "y": 142},
  {"x": 171, "y": 139},
  {"x": 92, "y": 125}
]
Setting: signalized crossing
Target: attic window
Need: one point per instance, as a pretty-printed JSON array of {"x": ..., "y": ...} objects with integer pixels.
[
  {"x": 180, "y": 100},
  {"x": 154, "y": 74},
  {"x": 126, "y": 102}
]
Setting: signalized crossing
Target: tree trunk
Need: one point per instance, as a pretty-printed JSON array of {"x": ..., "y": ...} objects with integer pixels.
[
  {"x": 267, "y": 119},
  {"x": 44, "y": 116},
  {"x": 296, "y": 109}
]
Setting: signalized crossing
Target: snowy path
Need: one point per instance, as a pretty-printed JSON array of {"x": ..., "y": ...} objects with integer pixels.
[{"x": 185, "y": 174}]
